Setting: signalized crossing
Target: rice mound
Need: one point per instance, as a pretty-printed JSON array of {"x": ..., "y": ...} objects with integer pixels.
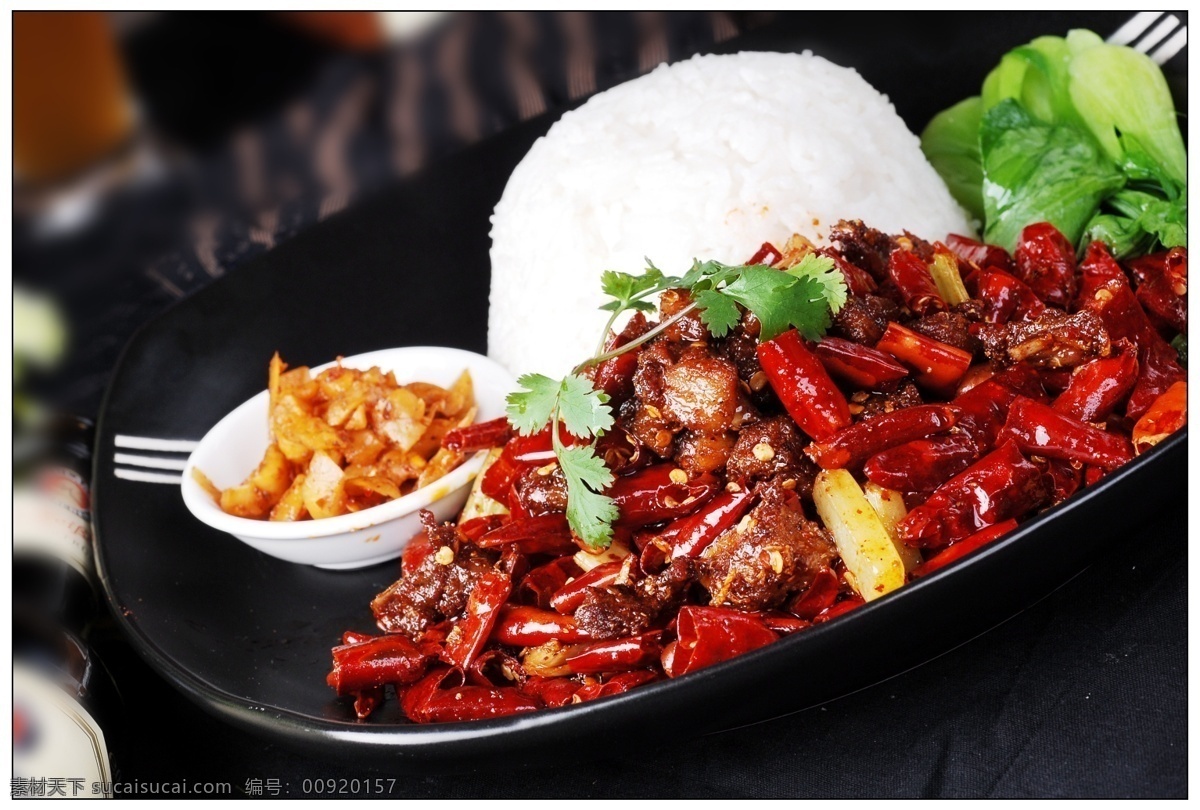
[{"x": 707, "y": 158}]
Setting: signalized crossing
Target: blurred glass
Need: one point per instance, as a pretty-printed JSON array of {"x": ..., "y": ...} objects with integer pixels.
[{"x": 71, "y": 104}]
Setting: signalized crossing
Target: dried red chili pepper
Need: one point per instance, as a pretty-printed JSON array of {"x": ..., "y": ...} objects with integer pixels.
[
  {"x": 1025, "y": 380},
  {"x": 495, "y": 668},
  {"x": 415, "y": 552},
  {"x": 617, "y": 655},
  {"x": 1097, "y": 387},
  {"x": 938, "y": 366},
  {"x": 621, "y": 452},
  {"x": 367, "y": 701},
  {"x": 979, "y": 254},
  {"x": 480, "y": 436},
  {"x": 614, "y": 685},
  {"x": 803, "y": 385},
  {"x": 468, "y": 637},
  {"x": 689, "y": 536},
  {"x": 845, "y": 606},
  {"x": 914, "y": 282},
  {"x": 375, "y": 662},
  {"x": 1053, "y": 380},
  {"x": 1165, "y": 415},
  {"x": 1106, "y": 291},
  {"x": 851, "y": 446},
  {"x": 525, "y": 626},
  {"x": 708, "y": 635},
  {"x": 858, "y": 281},
  {"x": 821, "y": 595},
  {"x": 982, "y": 411},
  {"x": 501, "y": 474},
  {"x": 1001, "y": 485},
  {"x": 539, "y": 585},
  {"x": 963, "y": 548},
  {"x": 767, "y": 254},
  {"x": 475, "y": 528},
  {"x": 859, "y": 365},
  {"x": 784, "y": 624},
  {"x": 542, "y": 534},
  {"x": 1005, "y": 297},
  {"x": 571, "y": 595},
  {"x": 442, "y": 697},
  {"x": 1162, "y": 286},
  {"x": 553, "y": 692},
  {"x": 1043, "y": 431},
  {"x": 1046, "y": 262},
  {"x": 658, "y": 493},
  {"x": 922, "y": 465},
  {"x": 1158, "y": 370},
  {"x": 1066, "y": 477}
]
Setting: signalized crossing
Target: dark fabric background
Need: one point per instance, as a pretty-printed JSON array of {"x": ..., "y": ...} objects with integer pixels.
[{"x": 1085, "y": 694}]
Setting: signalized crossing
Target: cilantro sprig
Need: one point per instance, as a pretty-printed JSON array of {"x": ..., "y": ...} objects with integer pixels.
[{"x": 805, "y": 297}]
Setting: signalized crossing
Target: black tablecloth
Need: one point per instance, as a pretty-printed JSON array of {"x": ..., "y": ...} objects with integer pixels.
[{"x": 1084, "y": 694}]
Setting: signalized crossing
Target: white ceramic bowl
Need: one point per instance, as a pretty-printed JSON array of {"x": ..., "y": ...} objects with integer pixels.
[{"x": 235, "y": 445}]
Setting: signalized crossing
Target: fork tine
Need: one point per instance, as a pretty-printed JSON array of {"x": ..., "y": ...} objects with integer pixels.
[
  {"x": 1157, "y": 34},
  {"x": 150, "y": 461},
  {"x": 1166, "y": 52},
  {"x": 1132, "y": 30},
  {"x": 147, "y": 476},
  {"x": 161, "y": 445}
]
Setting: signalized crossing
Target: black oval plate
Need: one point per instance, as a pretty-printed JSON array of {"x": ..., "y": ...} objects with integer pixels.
[{"x": 248, "y": 636}]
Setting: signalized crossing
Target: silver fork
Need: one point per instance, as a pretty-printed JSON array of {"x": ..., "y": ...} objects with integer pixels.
[
  {"x": 1158, "y": 36},
  {"x": 171, "y": 455}
]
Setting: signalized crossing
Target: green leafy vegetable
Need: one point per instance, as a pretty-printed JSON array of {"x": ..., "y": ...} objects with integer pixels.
[
  {"x": 1075, "y": 132},
  {"x": 1038, "y": 76},
  {"x": 805, "y": 297},
  {"x": 1120, "y": 92},
  {"x": 1036, "y": 172},
  {"x": 951, "y": 142},
  {"x": 1133, "y": 222}
]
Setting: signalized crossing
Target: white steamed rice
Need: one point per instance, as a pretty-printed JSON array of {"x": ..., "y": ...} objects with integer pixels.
[{"x": 706, "y": 158}]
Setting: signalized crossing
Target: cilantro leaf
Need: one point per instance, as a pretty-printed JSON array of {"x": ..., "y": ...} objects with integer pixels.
[
  {"x": 529, "y": 410},
  {"x": 625, "y": 286},
  {"x": 707, "y": 275},
  {"x": 590, "y": 513},
  {"x": 822, "y": 270},
  {"x": 582, "y": 408},
  {"x": 718, "y": 311},
  {"x": 780, "y": 301}
]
